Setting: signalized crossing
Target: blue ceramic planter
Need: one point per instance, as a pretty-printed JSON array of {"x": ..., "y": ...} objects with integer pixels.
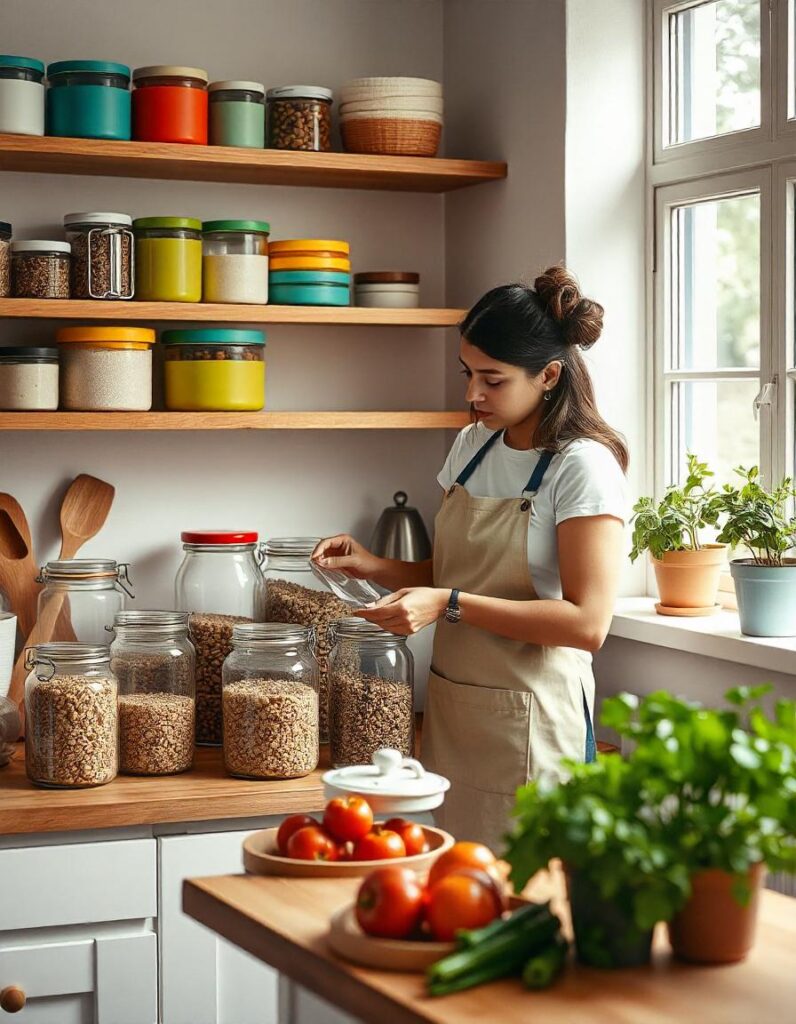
[{"x": 766, "y": 598}]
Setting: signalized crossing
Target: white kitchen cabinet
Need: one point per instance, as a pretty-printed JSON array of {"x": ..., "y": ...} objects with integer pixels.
[{"x": 204, "y": 979}]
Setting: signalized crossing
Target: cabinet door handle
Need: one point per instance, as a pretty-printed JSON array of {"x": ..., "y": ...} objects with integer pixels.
[{"x": 12, "y": 999}]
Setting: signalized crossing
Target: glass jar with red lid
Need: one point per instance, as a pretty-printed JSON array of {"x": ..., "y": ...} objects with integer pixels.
[
  {"x": 170, "y": 104},
  {"x": 219, "y": 583}
]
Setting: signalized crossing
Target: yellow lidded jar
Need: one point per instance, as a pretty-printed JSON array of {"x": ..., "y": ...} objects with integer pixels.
[{"x": 214, "y": 370}]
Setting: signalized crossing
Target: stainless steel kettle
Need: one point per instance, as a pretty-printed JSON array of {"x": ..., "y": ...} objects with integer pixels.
[{"x": 401, "y": 533}]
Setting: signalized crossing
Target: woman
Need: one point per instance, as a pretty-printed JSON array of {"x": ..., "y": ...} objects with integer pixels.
[{"x": 527, "y": 552}]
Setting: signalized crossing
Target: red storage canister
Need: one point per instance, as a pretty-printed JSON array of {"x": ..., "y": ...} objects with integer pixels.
[{"x": 170, "y": 104}]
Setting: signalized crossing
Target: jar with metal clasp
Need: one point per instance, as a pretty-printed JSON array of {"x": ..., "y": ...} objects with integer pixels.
[{"x": 80, "y": 597}]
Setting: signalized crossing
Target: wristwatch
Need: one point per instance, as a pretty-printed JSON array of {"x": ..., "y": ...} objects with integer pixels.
[{"x": 453, "y": 612}]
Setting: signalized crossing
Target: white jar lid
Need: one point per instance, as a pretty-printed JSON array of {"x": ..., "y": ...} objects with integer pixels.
[
  {"x": 37, "y": 245},
  {"x": 170, "y": 71},
  {"x": 299, "y": 92},
  {"x": 97, "y": 218},
  {"x": 392, "y": 784},
  {"x": 239, "y": 86}
]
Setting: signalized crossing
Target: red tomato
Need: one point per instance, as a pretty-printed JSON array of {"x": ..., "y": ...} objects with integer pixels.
[
  {"x": 462, "y": 899},
  {"x": 412, "y": 834},
  {"x": 380, "y": 844},
  {"x": 291, "y": 825},
  {"x": 463, "y": 855},
  {"x": 348, "y": 818},
  {"x": 390, "y": 903},
  {"x": 311, "y": 843}
]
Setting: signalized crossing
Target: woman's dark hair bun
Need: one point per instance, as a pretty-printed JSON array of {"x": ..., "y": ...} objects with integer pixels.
[{"x": 581, "y": 319}]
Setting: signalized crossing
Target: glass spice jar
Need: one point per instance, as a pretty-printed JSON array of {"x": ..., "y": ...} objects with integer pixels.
[
  {"x": 40, "y": 269},
  {"x": 102, "y": 255},
  {"x": 71, "y": 736},
  {"x": 154, "y": 663},
  {"x": 371, "y": 693},
  {"x": 270, "y": 702},
  {"x": 300, "y": 117}
]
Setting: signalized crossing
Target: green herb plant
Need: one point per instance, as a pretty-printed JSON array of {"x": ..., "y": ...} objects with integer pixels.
[
  {"x": 758, "y": 518},
  {"x": 673, "y": 524}
]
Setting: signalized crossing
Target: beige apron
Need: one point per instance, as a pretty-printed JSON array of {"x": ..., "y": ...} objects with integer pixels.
[{"x": 498, "y": 711}]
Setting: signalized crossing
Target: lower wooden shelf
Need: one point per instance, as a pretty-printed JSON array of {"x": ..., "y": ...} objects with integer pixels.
[{"x": 233, "y": 420}]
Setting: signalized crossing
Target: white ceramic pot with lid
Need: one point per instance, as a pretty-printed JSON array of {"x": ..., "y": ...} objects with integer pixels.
[{"x": 391, "y": 785}]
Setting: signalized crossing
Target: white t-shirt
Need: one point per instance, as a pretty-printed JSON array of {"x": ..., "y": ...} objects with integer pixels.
[{"x": 583, "y": 480}]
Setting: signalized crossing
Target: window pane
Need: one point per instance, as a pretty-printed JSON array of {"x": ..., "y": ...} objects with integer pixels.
[
  {"x": 716, "y": 285},
  {"x": 714, "y": 76},
  {"x": 715, "y": 420}
]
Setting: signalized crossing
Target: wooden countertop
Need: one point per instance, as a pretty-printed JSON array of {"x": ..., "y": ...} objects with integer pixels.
[
  {"x": 277, "y": 918},
  {"x": 202, "y": 794}
]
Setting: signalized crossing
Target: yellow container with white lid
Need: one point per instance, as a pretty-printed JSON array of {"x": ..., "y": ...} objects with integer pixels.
[{"x": 106, "y": 369}]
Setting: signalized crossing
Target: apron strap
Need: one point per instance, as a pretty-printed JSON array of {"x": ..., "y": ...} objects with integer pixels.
[
  {"x": 475, "y": 461},
  {"x": 537, "y": 476},
  {"x": 590, "y": 754}
]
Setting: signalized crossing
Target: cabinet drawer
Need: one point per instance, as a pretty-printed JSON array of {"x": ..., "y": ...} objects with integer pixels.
[{"x": 78, "y": 883}]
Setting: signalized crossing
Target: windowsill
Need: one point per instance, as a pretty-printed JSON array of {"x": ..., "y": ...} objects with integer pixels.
[{"x": 713, "y": 636}]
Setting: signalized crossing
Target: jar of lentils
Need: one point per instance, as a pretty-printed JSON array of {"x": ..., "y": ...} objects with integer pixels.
[
  {"x": 270, "y": 702},
  {"x": 40, "y": 269},
  {"x": 102, "y": 255},
  {"x": 70, "y": 708},
  {"x": 299, "y": 117},
  {"x": 294, "y": 594},
  {"x": 154, "y": 663},
  {"x": 371, "y": 693}
]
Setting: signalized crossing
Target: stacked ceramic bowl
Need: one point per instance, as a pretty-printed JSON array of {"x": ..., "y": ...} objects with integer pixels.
[
  {"x": 388, "y": 289},
  {"x": 309, "y": 272},
  {"x": 391, "y": 116}
]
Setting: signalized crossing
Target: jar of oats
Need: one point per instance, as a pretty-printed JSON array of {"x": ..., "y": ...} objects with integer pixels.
[
  {"x": 294, "y": 594},
  {"x": 371, "y": 693},
  {"x": 219, "y": 583},
  {"x": 270, "y": 702},
  {"x": 71, "y": 715},
  {"x": 154, "y": 663},
  {"x": 102, "y": 255}
]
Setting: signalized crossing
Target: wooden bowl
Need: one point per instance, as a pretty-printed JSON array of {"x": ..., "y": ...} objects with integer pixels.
[{"x": 260, "y": 857}]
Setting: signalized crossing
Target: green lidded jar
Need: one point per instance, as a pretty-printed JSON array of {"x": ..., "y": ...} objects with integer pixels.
[
  {"x": 168, "y": 259},
  {"x": 88, "y": 99},
  {"x": 237, "y": 114}
]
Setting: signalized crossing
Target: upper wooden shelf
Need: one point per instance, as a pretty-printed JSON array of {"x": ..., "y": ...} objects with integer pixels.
[
  {"x": 242, "y": 166},
  {"x": 88, "y": 309},
  {"x": 233, "y": 420}
]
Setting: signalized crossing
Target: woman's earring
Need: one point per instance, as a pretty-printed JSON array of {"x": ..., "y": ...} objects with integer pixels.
[{"x": 548, "y": 396}]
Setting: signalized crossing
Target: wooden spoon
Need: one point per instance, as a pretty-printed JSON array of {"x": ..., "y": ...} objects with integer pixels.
[{"x": 18, "y": 569}]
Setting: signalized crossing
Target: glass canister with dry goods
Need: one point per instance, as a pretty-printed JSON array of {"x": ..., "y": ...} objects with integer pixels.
[
  {"x": 70, "y": 710},
  {"x": 154, "y": 663},
  {"x": 103, "y": 255},
  {"x": 220, "y": 583},
  {"x": 371, "y": 693},
  {"x": 270, "y": 702},
  {"x": 299, "y": 117},
  {"x": 40, "y": 269},
  {"x": 81, "y": 597},
  {"x": 5, "y": 259},
  {"x": 295, "y": 594}
]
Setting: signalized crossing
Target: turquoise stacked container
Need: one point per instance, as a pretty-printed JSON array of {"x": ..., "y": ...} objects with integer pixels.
[
  {"x": 88, "y": 99},
  {"x": 309, "y": 272}
]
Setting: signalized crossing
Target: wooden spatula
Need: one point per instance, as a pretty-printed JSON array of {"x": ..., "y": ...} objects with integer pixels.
[{"x": 18, "y": 569}]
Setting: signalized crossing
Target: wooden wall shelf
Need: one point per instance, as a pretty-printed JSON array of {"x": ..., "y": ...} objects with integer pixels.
[
  {"x": 233, "y": 420},
  {"x": 242, "y": 166},
  {"x": 216, "y": 312}
]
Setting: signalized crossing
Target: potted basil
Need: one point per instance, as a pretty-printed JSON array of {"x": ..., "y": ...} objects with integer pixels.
[
  {"x": 720, "y": 783},
  {"x": 765, "y": 584},
  {"x": 686, "y": 569}
]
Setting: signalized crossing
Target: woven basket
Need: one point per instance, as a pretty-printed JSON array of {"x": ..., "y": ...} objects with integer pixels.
[{"x": 391, "y": 137}]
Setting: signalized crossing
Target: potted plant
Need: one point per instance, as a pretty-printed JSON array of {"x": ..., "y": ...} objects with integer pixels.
[
  {"x": 621, "y": 875},
  {"x": 722, "y": 786},
  {"x": 686, "y": 569},
  {"x": 765, "y": 584}
]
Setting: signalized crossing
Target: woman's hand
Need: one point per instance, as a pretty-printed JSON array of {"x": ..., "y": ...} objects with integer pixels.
[
  {"x": 344, "y": 553},
  {"x": 407, "y": 611}
]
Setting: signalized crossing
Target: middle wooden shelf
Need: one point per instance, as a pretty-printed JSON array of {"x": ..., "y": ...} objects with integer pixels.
[{"x": 216, "y": 312}]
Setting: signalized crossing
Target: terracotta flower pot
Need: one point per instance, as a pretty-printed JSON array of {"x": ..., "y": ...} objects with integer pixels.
[
  {"x": 690, "y": 579},
  {"x": 713, "y": 927}
]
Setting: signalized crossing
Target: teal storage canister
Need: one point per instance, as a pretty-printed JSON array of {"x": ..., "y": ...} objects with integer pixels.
[
  {"x": 88, "y": 99},
  {"x": 237, "y": 114},
  {"x": 309, "y": 288},
  {"x": 21, "y": 95}
]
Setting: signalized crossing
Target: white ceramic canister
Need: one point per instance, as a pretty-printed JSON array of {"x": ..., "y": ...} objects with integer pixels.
[
  {"x": 106, "y": 369},
  {"x": 386, "y": 297},
  {"x": 21, "y": 95}
]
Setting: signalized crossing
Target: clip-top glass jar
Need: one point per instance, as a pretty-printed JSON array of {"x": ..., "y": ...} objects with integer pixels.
[
  {"x": 237, "y": 114},
  {"x": 170, "y": 104},
  {"x": 293, "y": 593},
  {"x": 81, "y": 597},
  {"x": 102, "y": 255},
  {"x": 299, "y": 117},
  {"x": 371, "y": 693},
  {"x": 154, "y": 663},
  {"x": 270, "y": 702},
  {"x": 88, "y": 99},
  {"x": 71, "y": 716},
  {"x": 21, "y": 95},
  {"x": 219, "y": 582}
]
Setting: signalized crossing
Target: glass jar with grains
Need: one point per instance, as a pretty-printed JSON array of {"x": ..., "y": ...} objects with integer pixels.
[
  {"x": 270, "y": 702},
  {"x": 299, "y": 117},
  {"x": 102, "y": 255}
]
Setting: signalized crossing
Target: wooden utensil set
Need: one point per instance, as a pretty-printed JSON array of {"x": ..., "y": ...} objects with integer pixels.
[{"x": 84, "y": 509}]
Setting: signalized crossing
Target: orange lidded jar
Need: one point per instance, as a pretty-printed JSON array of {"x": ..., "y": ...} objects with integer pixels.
[
  {"x": 170, "y": 104},
  {"x": 106, "y": 369}
]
